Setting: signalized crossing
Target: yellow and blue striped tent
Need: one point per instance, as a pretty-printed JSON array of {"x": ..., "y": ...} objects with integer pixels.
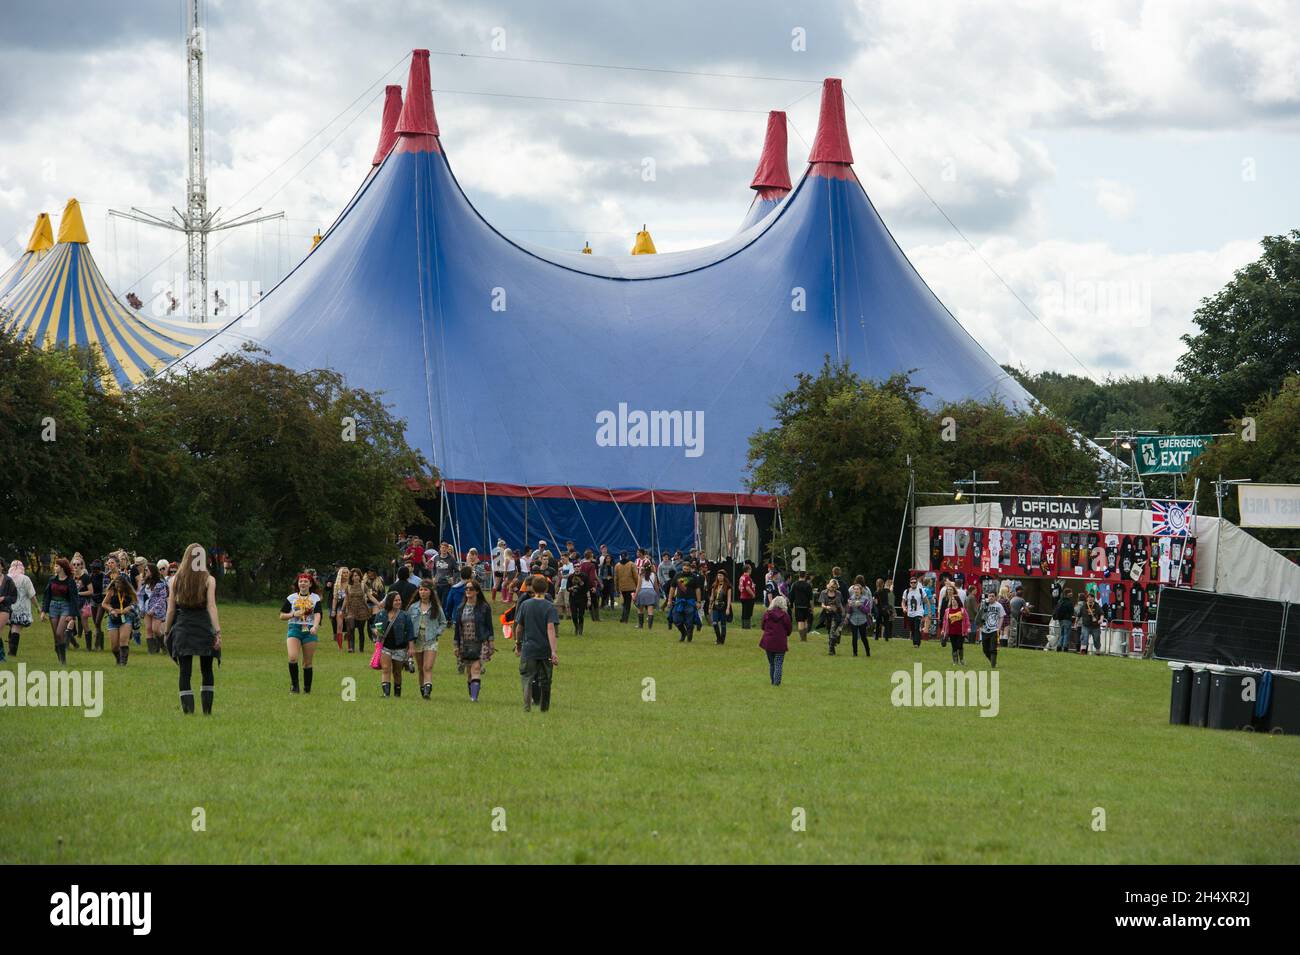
[
  {"x": 38, "y": 246},
  {"x": 68, "y": 302}
]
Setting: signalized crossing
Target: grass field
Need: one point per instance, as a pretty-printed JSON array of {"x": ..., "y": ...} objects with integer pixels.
[{"x": 711, "y": 771}]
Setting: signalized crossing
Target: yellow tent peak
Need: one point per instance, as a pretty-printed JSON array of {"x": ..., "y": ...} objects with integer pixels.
[
  {"x": 72, "y": 228},
  {"x": 586, "y": 249},
  {"x": 42, "y": 234},
  {"x": 315, "y": 240},
  {"x": 644, "y": 244}
]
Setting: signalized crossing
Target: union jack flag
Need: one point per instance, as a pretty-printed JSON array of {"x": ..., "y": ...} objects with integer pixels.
[{"x": 1172, "y": 518}]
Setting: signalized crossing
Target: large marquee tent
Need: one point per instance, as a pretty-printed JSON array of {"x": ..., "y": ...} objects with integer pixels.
[
  {"x": 65, "y": 300},
  {"x": 38, "y": 246},
  {"x": 597, "y": 398}
]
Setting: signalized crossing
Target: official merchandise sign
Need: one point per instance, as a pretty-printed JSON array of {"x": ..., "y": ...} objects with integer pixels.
[
  {"x": 1169, "y": 454},
  {"x": 1269, "y": 505},
  {"x": 1053, "y": 513}
]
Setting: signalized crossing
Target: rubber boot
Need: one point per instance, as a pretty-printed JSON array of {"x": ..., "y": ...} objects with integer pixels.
[
  {"x": 187, "y": 702},
  {"x": 14, "y": 639},
  {"x": 651, "y": 624},
  {"x": 387, "y": 688},
  {"x": 306, "y": 679},
  {"x": 72, "y": 638},
  {"x": 640, "y": 620},
  {"x": 99, "y": 640},
  {"x": 397, "y": 689},
  {"x": 351, "y": 644},
  {"x": 61, "y": 650},
  {"x": 546, "y": 699},
  {"x": 426, "y": 691},
  {"x": 126, "y": 652},
  {"x": 206, "y": 693}
]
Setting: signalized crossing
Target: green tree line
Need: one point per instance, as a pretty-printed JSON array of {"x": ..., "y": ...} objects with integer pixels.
[{"x": 279, "y": 469}]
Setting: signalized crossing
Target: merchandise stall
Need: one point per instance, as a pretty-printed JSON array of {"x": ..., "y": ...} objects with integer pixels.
[{"x": 1049, "y": 544}]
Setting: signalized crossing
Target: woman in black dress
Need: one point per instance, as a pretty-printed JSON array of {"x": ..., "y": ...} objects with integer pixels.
[
  {"x": 192, "y": 625},
  {"x": 473, "y": 637}
]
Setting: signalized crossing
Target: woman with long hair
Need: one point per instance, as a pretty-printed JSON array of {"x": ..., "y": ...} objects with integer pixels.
[
  {"x": 338, "y": 593},
  {"x": 647, "y": 596},
  {"x": 398, "y": 644},
  {"x": 155, "y": 607},
  {"x": 60, "y": 605},
  {"x": 98, "y": 579},
  {"x": 473, "y": 635},
  {"x": 119, "y": 605},
  {"x": 356, "y": 609},
  {"x": 720, "y": 607},
  {"x": 20, "y": 614},
  {"x": 776, "y": 627},
  {"x": 302, "y": 611},
  {"x": 858, "y": 609},
  {"x": 954, "y": 622},
  {"x": 193, "y": 625},
  {"x": 86, "y": 591},
  {"x": 428, "y": 622}
]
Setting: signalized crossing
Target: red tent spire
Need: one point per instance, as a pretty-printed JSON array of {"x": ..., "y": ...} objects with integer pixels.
[
  {"x": 417, "y": 126},
  {"x": 388, "y": 125},
  {"x": 832, "y": 142},
  {"x": 772, "y": 178}
]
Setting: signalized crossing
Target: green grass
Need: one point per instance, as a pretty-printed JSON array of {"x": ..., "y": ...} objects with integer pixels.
[{"x": 709, "y": 772}]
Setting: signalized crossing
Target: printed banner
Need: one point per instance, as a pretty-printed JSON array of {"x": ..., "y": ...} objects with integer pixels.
[
  {"x": 1269, "y": 505},
  {"x": 1173, "y": 519},
  {"x": 1053, "y": 513},
  {"x": 1169, "y": 454}
]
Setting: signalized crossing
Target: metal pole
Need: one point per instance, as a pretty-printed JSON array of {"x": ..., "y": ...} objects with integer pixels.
[{"x": 911, "y": 480}]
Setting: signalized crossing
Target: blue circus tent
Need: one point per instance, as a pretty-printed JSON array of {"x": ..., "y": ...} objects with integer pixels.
[
  {"x": 596, "y": 398},
  {"x": 67, "y": 301}
]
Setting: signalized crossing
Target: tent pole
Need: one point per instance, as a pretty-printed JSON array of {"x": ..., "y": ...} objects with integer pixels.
[
  {"x": 631, "y": 533},
  {"x": 578, "y": 508},
  {"x": 654, "y": 525},
  {"x": 898, "y": 551}
]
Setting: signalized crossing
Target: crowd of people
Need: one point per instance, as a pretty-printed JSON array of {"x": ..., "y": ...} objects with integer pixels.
[{"x": 170, "y": 607}]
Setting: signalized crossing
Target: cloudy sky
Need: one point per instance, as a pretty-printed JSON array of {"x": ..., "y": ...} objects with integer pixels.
[{"x": 1112, "y": 162}]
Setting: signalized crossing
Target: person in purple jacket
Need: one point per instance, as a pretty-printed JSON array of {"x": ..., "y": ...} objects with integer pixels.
[{"x": 775, "y": 639}]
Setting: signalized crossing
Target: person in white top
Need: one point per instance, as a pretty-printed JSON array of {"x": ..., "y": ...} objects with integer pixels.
[
  {"x": 500, "y": 555},
  {"x": 20, "y": 614},
  {"x": 914, "y": 607}
]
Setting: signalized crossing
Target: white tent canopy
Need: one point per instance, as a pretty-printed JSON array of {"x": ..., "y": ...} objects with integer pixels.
[{"x": 1228, "y": 560}]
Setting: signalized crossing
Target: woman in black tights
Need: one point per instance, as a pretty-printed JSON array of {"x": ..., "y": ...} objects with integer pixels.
[{"x": 192, "y": 625}]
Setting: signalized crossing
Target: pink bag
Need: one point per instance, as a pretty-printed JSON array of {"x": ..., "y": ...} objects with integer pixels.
[{"x": 374, "y": 660}]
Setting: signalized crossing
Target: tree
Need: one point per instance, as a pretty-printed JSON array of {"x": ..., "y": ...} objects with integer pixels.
[
  {"x": 285, "y": 468},
  {"x": 1249, "y": 340},
  {"x": 1273, "y": 457},
  {"x": 279, "y": 468},
  {"x": 837, "y": 457}
]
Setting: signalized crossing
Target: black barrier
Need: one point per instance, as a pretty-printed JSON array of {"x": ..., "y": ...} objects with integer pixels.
[
  {"x": 1227, "y": 630},
  {"x": 1180, "y": 696},
  {"x": 1284, "y": 712},
  {"x": 1199, "y": 707},
  {"x": 1233, "y": 692}
]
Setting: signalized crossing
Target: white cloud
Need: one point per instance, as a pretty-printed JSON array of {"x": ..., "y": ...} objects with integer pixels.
[
  {"x": 1115, "y": 199},
  {"x": 1118, "y": 314}
]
